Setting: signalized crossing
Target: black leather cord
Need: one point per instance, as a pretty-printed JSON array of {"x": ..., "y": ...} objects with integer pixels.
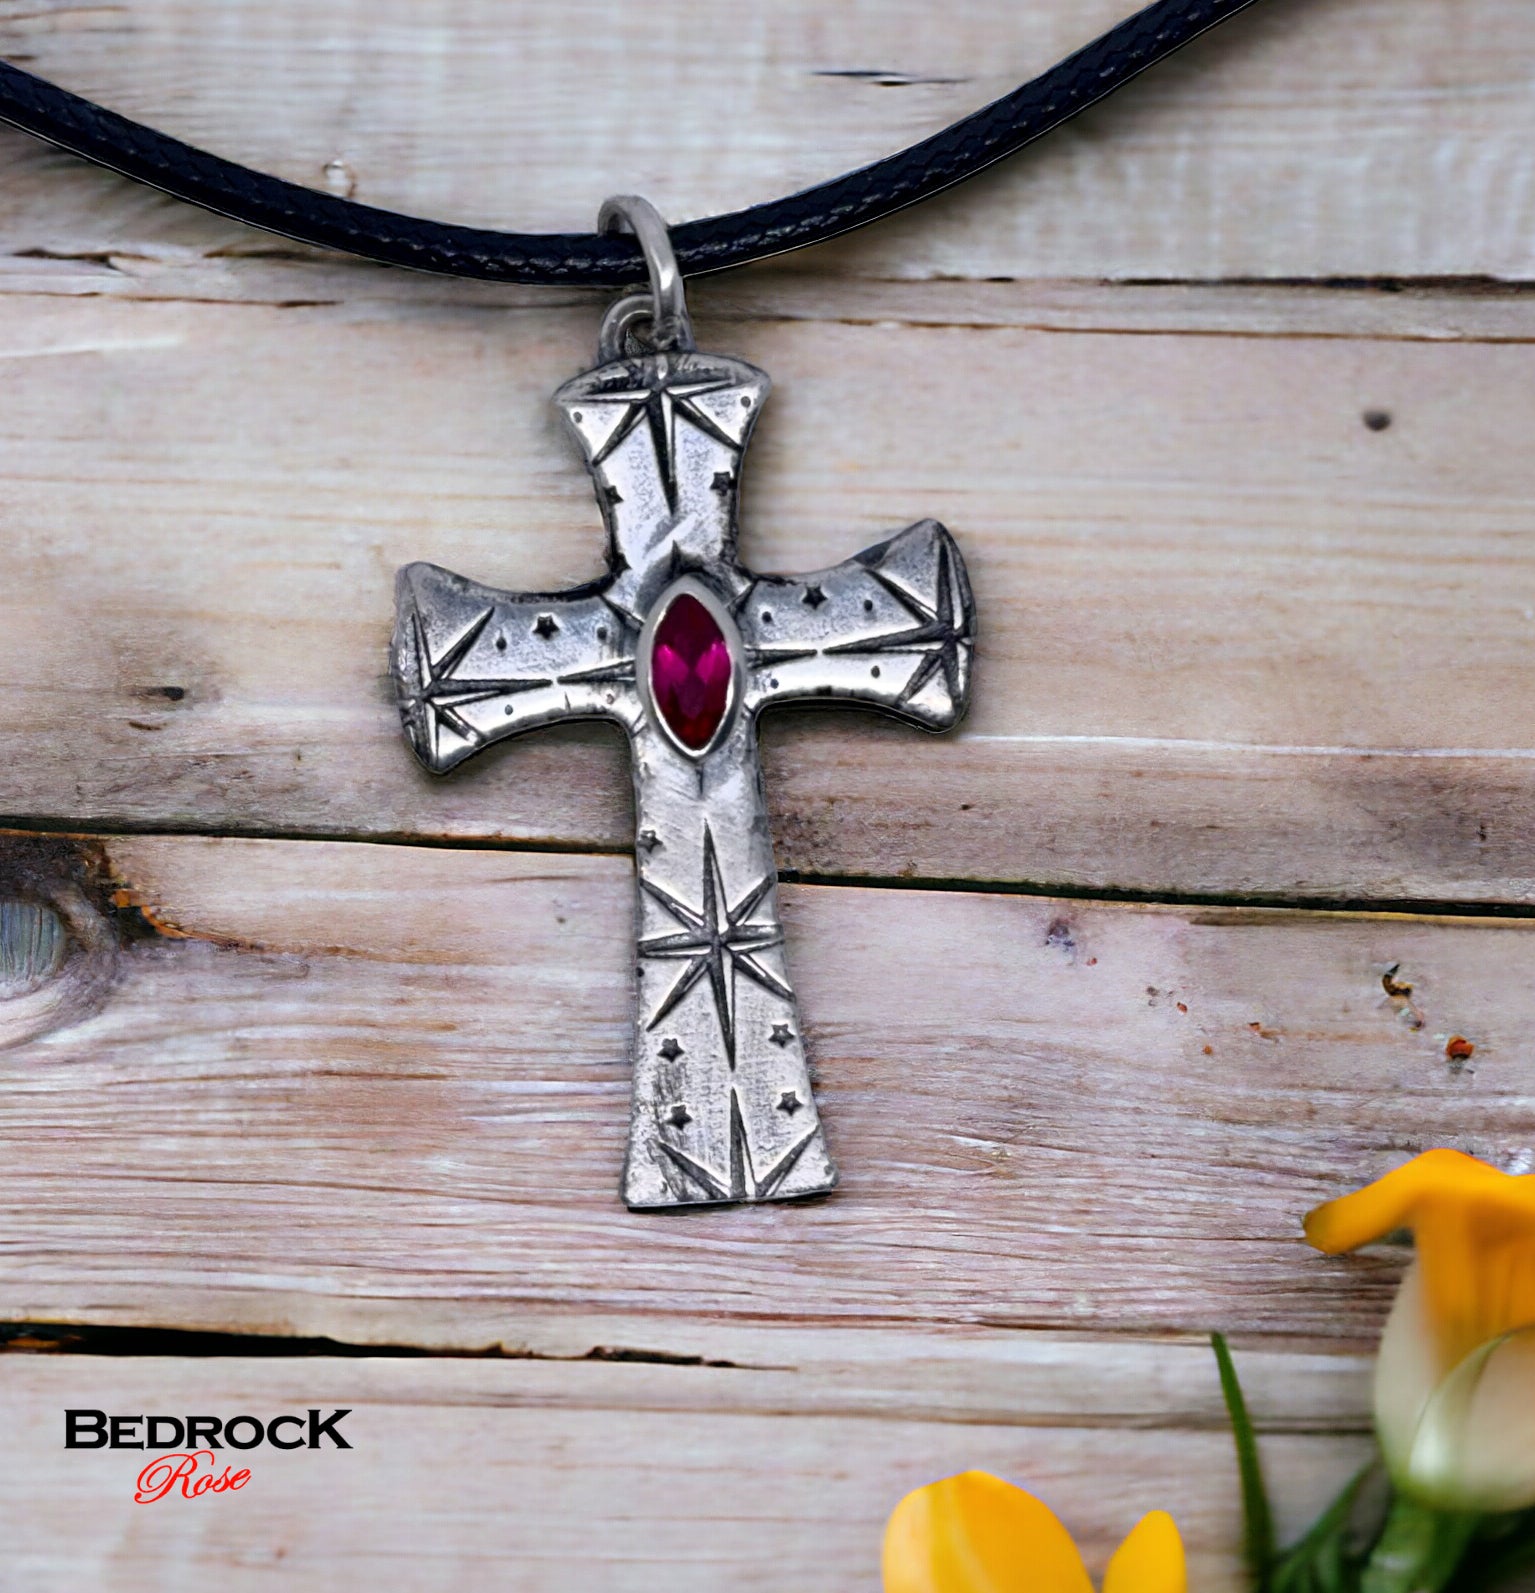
[{"x": 590, "y": 259}]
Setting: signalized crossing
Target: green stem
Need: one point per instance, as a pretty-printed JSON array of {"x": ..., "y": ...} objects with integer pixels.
[
  {"x": 1418, "y": 1549},
  {"x": 1258, "y": 1520}
]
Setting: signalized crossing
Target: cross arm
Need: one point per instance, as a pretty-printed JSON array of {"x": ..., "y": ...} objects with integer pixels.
[
  {"x": 892, "y": 628},
  {"x": 474, "y": 665}
]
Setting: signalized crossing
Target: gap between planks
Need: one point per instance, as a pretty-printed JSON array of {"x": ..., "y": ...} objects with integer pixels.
[
  {"x": 1428, "y": 309},
  {"x": 1242, "y": 907},
  {"x": 1029, "y": 1378}
]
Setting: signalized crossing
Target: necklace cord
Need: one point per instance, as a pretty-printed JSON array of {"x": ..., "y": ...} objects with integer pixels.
[{"x": 714, "y": 243}]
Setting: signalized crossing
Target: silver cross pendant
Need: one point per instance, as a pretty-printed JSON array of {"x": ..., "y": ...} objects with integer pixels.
[{"x": 684, "y": 648}]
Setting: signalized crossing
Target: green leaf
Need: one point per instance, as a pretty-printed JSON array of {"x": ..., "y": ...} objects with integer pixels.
[
  {"x": 1329, "y": 1559},
  {"x": 1420, "y": 1548},
  {"x": 1257, "y": 1517}
]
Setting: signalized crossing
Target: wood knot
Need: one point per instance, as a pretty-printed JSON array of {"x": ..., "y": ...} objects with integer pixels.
[
  {"x": 33, "y": 944},
  {"x": 58, "y": 950}
]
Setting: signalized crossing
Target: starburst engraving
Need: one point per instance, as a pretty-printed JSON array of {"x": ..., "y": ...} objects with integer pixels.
[
  {"x": 657, "y": 399},
  {"x": 943, "y": 633},
  {"x": 433, "y": 696},
  {"x": 742, "y": 1182},
  {"x": 716, "y": 941}
]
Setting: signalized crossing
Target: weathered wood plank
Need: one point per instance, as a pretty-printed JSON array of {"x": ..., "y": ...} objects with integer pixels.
[
  {"x": 379, "y": 1093},
  {"x": 1318, "y": 137},
  {"x": 529, "y": 1477},
  {"x": 1233, "y": 640}
]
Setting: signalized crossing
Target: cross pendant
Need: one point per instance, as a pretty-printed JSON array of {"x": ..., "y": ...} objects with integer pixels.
[{"x": 684, "y": 648}]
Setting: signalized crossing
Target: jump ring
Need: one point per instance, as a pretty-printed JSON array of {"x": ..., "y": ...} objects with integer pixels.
[
  {"x": 618, "y": 338},
  {"x": 671, "y": 327}
]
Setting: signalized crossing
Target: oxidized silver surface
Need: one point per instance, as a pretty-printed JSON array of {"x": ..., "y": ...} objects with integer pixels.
[{"x": 722, "y": 1106}]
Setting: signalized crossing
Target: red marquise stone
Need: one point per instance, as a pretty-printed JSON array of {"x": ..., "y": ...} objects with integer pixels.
[{"x": 690, "y": 672}]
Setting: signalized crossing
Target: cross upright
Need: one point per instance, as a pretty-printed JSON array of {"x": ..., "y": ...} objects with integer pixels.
[{"x": 684, "y": 648}]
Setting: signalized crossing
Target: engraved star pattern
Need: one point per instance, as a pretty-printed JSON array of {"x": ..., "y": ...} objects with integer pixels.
[
  {"x": 941, "y": 634},
  {"x": 742, "y": 1182},
  {"x": 434, "y": 696},
  {"x": 657, "y": 400},
  {"x": 716, "y": 940}
]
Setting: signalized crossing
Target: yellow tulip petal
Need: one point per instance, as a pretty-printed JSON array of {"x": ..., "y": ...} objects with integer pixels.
[
  {"x": 975, "y": 1533},
  {"x": 1455, "y": 1380},
  {"x": 1475, "y": 1232},
  {"x": 1474, "y": 1448},
  {"x": 1396, "y": 1200},
  {"x": 1150, "y": 1560}
]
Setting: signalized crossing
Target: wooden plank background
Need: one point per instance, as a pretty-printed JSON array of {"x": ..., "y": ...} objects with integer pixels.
[{"x": 1226, "y": 392}]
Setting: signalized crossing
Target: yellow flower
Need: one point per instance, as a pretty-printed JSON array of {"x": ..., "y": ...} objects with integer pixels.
[
  {"x": 1455, "y": 1379},
  {"x": 977, "y": 1534}
]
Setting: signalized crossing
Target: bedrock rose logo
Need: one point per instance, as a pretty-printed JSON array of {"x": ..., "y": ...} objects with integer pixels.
[{"x": 190, "y": 1470}]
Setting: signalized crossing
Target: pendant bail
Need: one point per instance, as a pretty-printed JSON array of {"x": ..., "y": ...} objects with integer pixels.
[{"x": 665, "y": 306}]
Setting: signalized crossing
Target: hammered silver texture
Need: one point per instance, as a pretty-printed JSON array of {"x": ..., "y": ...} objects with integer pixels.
[{"x": 722, "y": 1107}]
